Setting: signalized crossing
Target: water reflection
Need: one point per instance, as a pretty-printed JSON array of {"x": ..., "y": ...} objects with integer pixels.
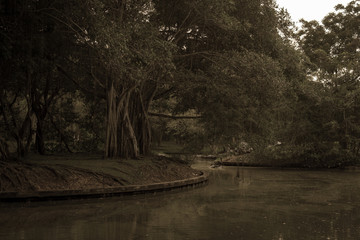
[{"x": 239, "y": 203}]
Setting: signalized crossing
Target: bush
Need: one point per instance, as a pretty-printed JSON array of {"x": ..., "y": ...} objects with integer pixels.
[{"x": 312, "y": 155}]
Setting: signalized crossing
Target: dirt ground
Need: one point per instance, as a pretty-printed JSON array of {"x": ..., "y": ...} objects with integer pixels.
[{"x": 39, "y": 173}]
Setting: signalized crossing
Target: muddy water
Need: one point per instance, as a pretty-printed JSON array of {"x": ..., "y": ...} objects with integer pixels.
[{"x": 238, "y": 203}]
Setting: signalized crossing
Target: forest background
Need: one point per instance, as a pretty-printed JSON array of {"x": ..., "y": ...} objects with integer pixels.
[{"x": 121, "y": 76}]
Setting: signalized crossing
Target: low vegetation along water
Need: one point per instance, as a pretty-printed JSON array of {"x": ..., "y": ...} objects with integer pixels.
[{"x": 238, "y": 203}]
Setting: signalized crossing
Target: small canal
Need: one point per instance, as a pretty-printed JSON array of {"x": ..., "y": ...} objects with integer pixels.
[{"x": 238, "y": 203}]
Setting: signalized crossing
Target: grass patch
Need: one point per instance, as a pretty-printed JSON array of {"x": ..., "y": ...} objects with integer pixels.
[{"x": 133, "y": 171}]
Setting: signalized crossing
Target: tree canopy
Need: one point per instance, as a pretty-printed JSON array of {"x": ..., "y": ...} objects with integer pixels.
[
  {"x": 327, "y": 104},
  {"x": 101, "y": 73}
]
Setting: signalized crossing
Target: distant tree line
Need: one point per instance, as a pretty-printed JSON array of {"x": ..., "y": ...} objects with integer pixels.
[{"x": 84, "y": 75}]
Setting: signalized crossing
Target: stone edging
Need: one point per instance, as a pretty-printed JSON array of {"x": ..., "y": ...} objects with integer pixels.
[{"x": 102, "y": 192}]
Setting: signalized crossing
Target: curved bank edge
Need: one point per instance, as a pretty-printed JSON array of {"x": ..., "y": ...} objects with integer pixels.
[{"x": 103, "y": 192}]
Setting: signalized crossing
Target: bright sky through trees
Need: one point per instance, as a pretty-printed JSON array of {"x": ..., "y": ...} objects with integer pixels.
[{"x": 310, "y": 9}]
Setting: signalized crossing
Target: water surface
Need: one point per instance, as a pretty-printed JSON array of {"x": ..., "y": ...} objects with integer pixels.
[{"x": 238, "y": 203}]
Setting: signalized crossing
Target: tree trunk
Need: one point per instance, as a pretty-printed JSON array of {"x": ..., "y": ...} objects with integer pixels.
[
  {"x": 143, "y": 124},
  {"x": 23, "y": 137},
  {"x": 111, "y": 149},
  {"x": 4, "y": 150},
  {"x": 128, "y": 129},
  {"x": 61, "y": 133},
  {"x": 39, "y": 139}
]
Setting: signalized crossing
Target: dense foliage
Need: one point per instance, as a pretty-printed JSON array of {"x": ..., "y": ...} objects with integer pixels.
[
  {"x": 116, "y": 76},
  {"x": 324, "y": 131}
]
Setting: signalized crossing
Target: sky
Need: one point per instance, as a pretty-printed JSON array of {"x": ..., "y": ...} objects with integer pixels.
[{"x": 310, "y": 9}]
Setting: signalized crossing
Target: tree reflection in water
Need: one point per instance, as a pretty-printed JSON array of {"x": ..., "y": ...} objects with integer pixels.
[{"x": 238, "y": 203}]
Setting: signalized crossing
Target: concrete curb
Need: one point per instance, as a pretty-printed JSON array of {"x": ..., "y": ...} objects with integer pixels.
[
  {"x": 241, "y": 164},
  {"x": 103, "y": 192}
]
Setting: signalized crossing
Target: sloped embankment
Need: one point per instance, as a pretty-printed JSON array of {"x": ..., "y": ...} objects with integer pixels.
[
  {"x": 27, "y": 177},
  {"x": 61, "y": 174}
]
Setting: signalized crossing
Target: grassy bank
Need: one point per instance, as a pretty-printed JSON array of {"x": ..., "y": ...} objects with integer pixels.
[{"x": 82, "y": 171}]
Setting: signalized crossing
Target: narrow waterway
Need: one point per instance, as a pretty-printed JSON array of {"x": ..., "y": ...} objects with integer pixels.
[{"x": 238, "y": 203}]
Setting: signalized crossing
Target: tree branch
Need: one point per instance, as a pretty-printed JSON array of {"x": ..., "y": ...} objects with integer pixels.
[
  {"x": 172, "y": 116},
  {"x": 62, "y": 135},
  {"x": 163, "y": 94},
  {"x": 78, "y": 84},
  {"x": 96, "y": 79}
]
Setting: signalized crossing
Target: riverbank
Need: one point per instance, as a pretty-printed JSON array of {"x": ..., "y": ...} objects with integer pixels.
[
  {"x": 82, "y": 172},
  {"x": 257, "y": 160}
]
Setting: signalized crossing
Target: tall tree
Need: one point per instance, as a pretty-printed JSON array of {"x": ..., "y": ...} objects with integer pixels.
[
  {"x": 35, "y": 41},
  {"x": 227, "y": 63},
  {"x": 334, "y": 50},
  {"x": 122, "y": 58}
]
